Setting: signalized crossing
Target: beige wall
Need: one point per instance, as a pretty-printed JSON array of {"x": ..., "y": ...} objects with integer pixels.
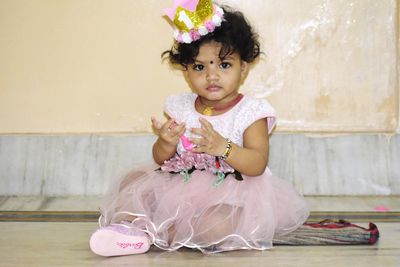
[
  {"x": 85, "y": 66},
  {"x": 398, "y": 66}
]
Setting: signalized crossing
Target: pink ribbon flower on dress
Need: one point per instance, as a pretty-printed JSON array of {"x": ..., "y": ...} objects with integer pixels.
[{"x": 188, "y": 162}]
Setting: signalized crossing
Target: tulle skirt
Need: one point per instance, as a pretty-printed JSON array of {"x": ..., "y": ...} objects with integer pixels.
[{"x": 195, "y": 214}]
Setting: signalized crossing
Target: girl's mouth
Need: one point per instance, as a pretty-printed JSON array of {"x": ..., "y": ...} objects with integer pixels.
[{"x": 213, "y": 88}]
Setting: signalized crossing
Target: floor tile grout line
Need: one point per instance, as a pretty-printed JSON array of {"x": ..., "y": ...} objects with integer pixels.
[{"x": 92, "y": 216}]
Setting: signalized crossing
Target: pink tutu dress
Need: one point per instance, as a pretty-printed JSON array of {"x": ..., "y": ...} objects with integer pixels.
[{"x": 193, "y": 201}]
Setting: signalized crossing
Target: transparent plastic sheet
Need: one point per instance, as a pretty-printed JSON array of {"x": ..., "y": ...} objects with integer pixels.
[{"x": 330, "y": 66}]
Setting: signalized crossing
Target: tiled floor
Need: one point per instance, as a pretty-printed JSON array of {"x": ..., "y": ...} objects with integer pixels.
[{"x": 66, "y": 244}]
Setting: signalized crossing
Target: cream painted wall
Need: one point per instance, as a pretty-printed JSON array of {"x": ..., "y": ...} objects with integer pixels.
[
  {"x": 93, "y": 66},
  {"x": 82, "y": 66},
  {"x": 398, "y": 66}
]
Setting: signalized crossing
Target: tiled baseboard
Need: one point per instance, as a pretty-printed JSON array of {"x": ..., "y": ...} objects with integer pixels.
[{"x": 67, "y": 165}]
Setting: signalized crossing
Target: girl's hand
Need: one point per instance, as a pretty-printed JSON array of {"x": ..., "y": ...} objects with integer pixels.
[
  {"x": 168, "y": 132},
  {"x": 210, "y": 142}
]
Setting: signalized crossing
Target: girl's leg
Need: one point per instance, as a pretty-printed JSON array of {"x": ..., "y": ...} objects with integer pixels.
[
  {"x": 216, "y": 223},
  {"x": 117, "y": 238},
  {"x": 120, "y": 233}
]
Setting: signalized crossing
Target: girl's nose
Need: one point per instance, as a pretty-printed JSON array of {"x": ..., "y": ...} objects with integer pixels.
[{"x": 212, "y": 74}]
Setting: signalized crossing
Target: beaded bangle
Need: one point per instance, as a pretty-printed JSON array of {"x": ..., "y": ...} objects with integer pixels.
[{"x": 227, "y": 151}]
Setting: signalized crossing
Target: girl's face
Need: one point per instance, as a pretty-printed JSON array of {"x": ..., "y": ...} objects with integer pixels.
[{"x": 216, "y": 81}]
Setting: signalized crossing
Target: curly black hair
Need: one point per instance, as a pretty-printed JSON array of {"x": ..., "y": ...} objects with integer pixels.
[{"x": 235, "y": 35}]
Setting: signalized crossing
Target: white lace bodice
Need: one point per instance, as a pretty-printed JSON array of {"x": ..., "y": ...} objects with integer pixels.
[{"x": 230, "y": 124}]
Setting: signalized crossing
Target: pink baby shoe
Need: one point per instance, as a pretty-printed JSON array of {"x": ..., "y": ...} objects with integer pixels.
[{"x": 117, "y": 240}]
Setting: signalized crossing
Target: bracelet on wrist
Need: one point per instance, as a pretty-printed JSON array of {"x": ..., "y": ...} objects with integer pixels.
[{"x": 228, "y": 149}]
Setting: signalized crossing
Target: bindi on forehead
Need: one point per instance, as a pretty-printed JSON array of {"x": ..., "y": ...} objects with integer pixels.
[{"x": 206, "y": 61}]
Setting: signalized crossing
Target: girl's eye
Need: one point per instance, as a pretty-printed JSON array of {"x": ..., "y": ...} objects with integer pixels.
[
  {"x": 198, "y": 67},
  {"x": 225, "y": 65}
]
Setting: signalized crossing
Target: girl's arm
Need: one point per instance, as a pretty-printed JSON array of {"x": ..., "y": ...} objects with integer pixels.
[
  {"x": 250, "y": 160},
  {"x": 168, "y": 137}
]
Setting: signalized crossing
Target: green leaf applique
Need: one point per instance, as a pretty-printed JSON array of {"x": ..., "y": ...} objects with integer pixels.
[{"x": 220, "y": 179}]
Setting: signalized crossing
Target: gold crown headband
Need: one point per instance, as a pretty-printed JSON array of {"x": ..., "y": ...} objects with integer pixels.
[{"x": 194, "y": 18}]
